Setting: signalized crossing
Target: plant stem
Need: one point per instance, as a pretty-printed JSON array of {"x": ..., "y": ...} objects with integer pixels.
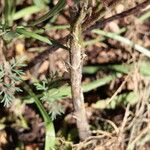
[
  {"x": 76, "y": 61},
  {"x": 49, "y": 127}
]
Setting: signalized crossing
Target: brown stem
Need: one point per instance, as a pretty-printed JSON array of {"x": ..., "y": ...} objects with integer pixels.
[{"x": 76, "y": 76}]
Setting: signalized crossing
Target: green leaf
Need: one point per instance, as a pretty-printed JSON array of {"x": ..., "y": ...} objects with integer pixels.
[
  {"x": 41, "y": 86},
  {"x": 124, "y": 40},
  {"x": 26, "y": 11},
  {"x": 55, "y": 109},
  {"x": 55, "y": 10},
  {"x": 11, "y": 70},
  {"x": 126, "y": 98},
  {"x": 39, "y": 3},
  {"x": 56, "y": 94},
  {"x": 9, "y": 10},
  {"x": 145, "y": 16},
  {"x": 23, "y": 31},
  {"x": 97, "y": 83},
  {"x": 33, "y": 35},
  {"x": 121, "y": 68},
  {"x": 10, "y": 36},
  {"x": 50, "y": 131}
]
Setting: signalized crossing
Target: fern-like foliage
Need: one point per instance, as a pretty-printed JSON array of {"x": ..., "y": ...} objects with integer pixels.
[
  {"x": 51, "y": 95},
  {"x": 10, "y": 74}
]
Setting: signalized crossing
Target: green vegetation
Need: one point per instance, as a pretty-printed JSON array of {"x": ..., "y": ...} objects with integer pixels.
[{"x": 32, "y": 23}]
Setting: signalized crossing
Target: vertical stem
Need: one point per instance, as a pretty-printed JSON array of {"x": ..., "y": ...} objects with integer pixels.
[{"x": 76, "y": 61}]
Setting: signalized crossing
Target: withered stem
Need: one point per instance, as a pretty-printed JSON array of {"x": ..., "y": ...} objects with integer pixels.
[{"x": 76, "y": 62}]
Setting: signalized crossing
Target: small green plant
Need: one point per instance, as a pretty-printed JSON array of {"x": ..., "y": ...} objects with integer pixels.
[
  {"x": 51, "y": 97},
  {"x": 50, "y": 91},
  {"x": 10, "y": 72},
  {"x": 9, "y": 76}
]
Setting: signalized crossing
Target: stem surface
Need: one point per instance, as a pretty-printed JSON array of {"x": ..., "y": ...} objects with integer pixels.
[{"x": 76, "y": 61}]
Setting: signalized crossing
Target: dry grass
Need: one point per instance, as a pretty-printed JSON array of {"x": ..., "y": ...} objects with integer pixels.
[{"x": 134, "y": 132}]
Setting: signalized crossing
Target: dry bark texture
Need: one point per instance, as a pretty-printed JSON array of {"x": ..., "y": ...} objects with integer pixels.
[{"x": 76, "y": 61}]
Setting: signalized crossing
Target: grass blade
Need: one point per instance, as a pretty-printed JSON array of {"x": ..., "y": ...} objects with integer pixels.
[
  {"x": 97, "y": 83},
  {"x": 123, "y": 69},
  {"x": 33, "y": 35},
  {"x": 50, "y": 131},
  {"x": 23, "y": 12},
  {"x": 9, "y": 10},
  {"x": 123, "y": 40},
  {"x": 145, "y": 16},
  {"x": 125, "y": 98},
  {"x": 57, "y": 8},
  {"x": 23, "y": 31}
]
